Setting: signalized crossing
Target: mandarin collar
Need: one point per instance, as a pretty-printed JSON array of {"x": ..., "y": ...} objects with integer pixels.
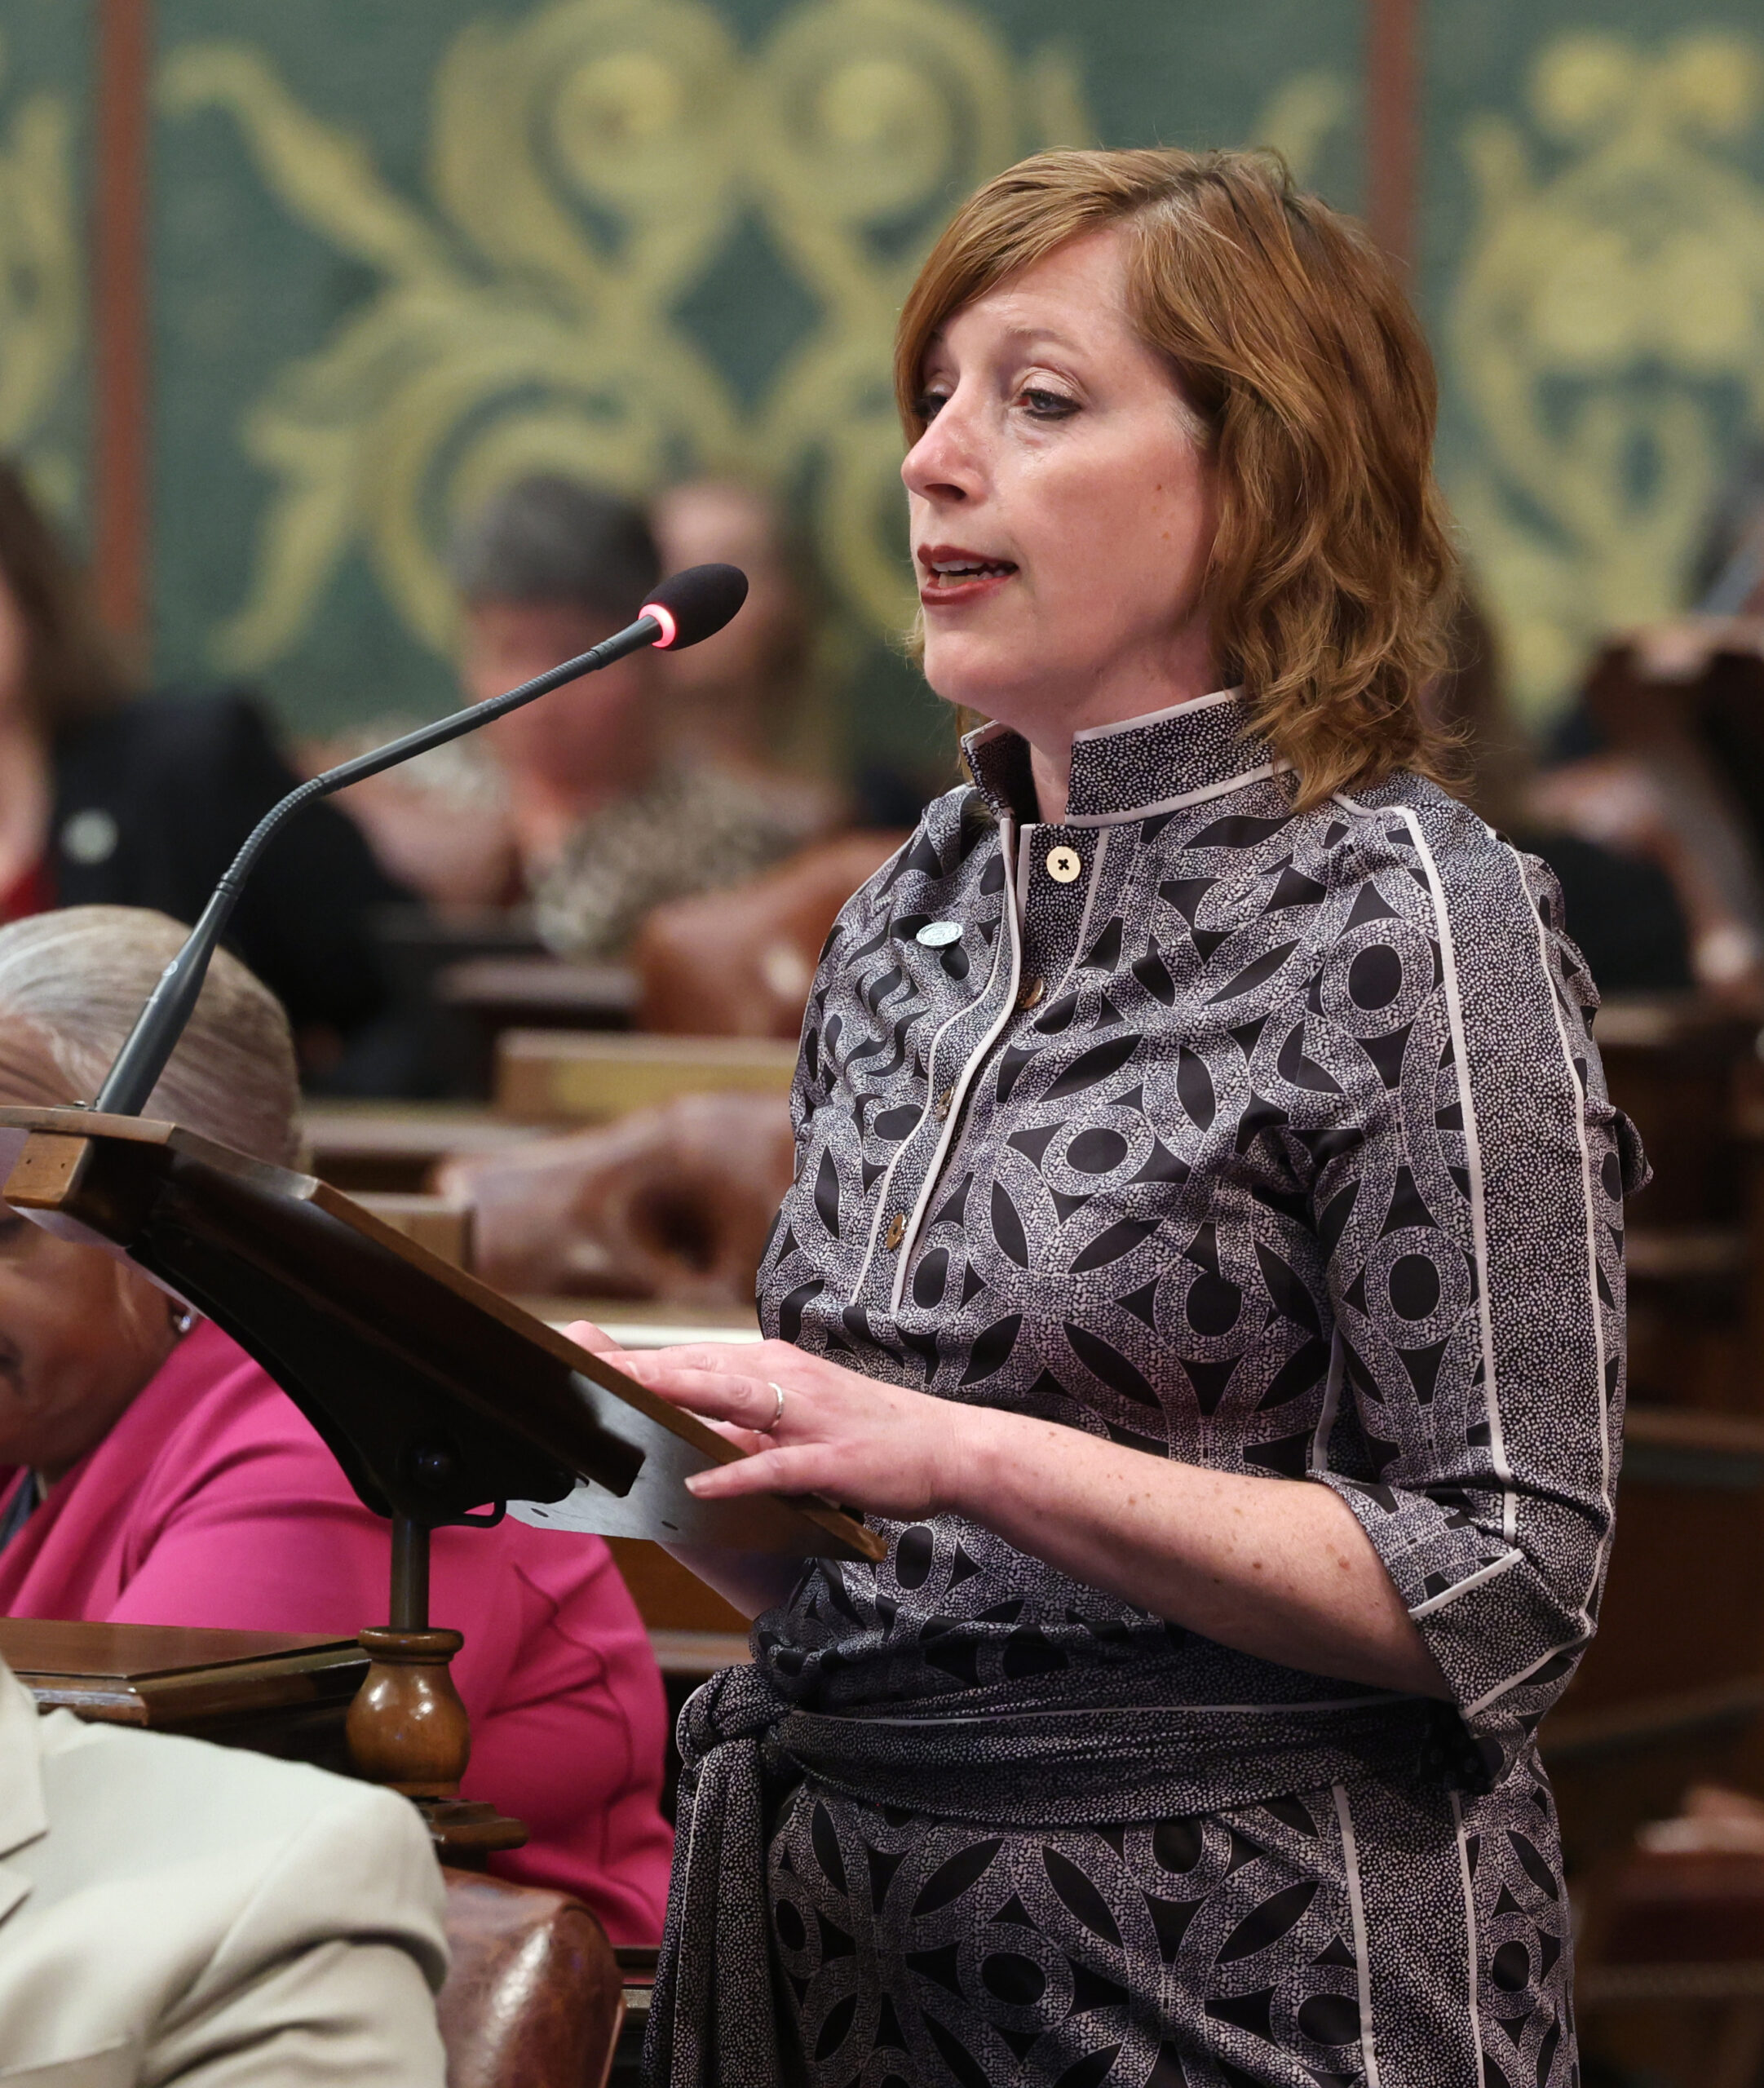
[{"x": 1156, "y": 764}]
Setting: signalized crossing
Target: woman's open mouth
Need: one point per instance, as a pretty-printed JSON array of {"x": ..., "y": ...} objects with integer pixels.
[{"x": 949, "y": 573}]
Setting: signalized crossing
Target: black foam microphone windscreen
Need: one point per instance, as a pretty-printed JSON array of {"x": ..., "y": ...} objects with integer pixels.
[{"x": 695, "y": 604}]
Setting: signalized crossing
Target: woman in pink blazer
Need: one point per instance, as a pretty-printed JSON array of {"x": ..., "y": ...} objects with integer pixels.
[{"x": 151, "y": 1473}]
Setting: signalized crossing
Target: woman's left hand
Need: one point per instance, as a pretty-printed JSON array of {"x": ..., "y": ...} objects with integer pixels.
[{"x": 868, "y": 1445}]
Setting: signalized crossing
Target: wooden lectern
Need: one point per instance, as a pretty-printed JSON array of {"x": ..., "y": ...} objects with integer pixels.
[{"x": 441, "y": 1400}]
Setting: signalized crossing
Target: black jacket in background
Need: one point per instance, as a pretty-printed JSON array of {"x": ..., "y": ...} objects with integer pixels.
[{"x": 152, "y": 801}]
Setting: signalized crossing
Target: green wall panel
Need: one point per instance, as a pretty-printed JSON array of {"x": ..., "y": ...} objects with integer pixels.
[
  {"x": 45, "y": 152},
  {"x": 1594, "y": 276},
  {"x": 400, "y": 251}
]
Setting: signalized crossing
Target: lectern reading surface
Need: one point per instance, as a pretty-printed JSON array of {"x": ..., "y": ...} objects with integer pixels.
[{"x": 441, "y": 1400}]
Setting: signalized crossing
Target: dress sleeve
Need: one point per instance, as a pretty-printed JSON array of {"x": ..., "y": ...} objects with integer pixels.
[{"x": 1469, "y": 1208}]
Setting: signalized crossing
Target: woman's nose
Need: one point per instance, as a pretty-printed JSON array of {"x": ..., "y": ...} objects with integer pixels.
[{"x": 944, "y": 463}]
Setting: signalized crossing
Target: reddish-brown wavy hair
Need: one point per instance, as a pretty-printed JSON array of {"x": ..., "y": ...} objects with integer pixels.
[{"x": 1288, "y": 332}]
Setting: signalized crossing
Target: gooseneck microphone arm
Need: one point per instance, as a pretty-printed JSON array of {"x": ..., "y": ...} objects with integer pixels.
[{"x": 692, "y": 605}]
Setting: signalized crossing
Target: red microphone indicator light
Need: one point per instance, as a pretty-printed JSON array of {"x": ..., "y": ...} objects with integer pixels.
[{"x": 695, "y": 604}]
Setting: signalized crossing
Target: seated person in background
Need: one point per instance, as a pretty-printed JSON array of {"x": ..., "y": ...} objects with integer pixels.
[
  {"x": 1661, "y": 755},
  {"x": 159, "y": 1476},
  {"x": 106, "y": 799},
  {"x": 1626, "y": 908},
  {"x": 170, "y": 1910},
  {"x": 744, "y": 699},
  {"x": 613, "y": 811}
]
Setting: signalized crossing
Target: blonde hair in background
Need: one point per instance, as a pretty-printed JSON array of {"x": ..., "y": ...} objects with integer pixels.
[
  {"x": 77, "y": 978},
  {"x": 1289, "y": 336}
]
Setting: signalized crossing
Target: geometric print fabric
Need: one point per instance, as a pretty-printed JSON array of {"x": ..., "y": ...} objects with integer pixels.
[{"x": 1273, "y": 1142}]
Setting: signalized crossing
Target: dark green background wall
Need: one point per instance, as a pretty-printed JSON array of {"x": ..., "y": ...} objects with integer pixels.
[{"x": 400, "y": 250}]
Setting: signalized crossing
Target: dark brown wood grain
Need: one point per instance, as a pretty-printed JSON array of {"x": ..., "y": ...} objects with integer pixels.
[{"x": 277, "y": 1692}]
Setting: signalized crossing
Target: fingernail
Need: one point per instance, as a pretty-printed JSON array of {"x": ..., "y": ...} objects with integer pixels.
[{"x": 695, "y": 1484}]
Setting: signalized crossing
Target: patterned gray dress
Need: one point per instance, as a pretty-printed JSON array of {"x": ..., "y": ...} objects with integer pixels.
[{"x": 1273, "y": 1143}]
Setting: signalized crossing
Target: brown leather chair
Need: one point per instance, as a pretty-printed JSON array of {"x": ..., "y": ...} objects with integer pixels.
[
  {"x": 738, "y": 963},
  {"x": 672, "y": 1203},
  {"x": 534, "y": 1998},
  {"x": 1670, "y": 1973}
]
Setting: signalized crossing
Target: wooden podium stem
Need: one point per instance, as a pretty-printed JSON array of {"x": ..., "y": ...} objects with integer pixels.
[
  {"x": 408, "y": 1728},
  {"x": 410, "y": 1575}
]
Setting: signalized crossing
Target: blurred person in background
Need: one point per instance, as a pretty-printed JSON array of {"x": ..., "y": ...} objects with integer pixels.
[
  {"x": 109, "y": 798},
  {"x": 1661, "y": 758},
  {"x": 649, "y": 781},
  {"x": 744, "y": 699},
  {"x": 151, "y": 1473},
  {"x": 1621, "y": 899},
  {"x": 613, "y": 807}
]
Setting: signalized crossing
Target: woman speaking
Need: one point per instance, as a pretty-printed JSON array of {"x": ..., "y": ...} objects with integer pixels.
[{"x": 1203, "y": 1264}]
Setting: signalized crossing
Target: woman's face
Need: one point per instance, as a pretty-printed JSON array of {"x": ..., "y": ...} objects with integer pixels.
[
  {"x": 81, "y": 1333},
  {"x": 1062, "y": 508},
  {"x": 579, "y": 737}
]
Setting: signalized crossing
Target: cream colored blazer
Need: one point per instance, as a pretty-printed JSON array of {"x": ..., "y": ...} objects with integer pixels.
[{"x": 173, "y": 1910}]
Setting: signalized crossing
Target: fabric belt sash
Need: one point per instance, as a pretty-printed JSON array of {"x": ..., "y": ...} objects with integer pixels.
[{"x": 1022, "y": 1764}]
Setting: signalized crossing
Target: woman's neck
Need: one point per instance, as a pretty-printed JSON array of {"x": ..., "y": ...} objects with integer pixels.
[
  {"x": 1052, "y": 776},
  {"x": 1181, "y": 673}
]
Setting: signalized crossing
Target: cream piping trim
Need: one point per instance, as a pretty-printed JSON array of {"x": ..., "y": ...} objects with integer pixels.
[
  {"x": 963, "y": 1081},
  {"x": 931, "y": 1068},
  {"x": 1469, "y": 1925},
  {"x": 1497, "y": 1447},
  {"x": 1592, "y": 1251},
  {"x": 1357, "y": 1910},
  {"x": 1491, "y": 1571},
  {"x": 1176, "y": 804},
  {"x": 1183, "y": 710}
]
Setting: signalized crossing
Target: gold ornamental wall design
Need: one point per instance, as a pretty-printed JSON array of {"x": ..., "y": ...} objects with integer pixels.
[
  {"x": 587, "y": 164},
  {"x": 41, "y": 286},
  {"x": 1606, "y": 333}
]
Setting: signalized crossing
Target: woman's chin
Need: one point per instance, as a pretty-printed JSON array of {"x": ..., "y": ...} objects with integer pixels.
[{"x": 970, "y": 674}]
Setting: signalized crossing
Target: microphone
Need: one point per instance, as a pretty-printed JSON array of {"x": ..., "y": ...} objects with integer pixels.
[{"x": 689, "y": 606}]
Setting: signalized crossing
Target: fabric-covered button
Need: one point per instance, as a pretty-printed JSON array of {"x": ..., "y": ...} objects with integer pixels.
[
  {"x": 896, "y": 1232},
  {"x": 1063, "y": 864},
  {"x": 938, "y": 935},
  {"x": 1031, "y": 995}
]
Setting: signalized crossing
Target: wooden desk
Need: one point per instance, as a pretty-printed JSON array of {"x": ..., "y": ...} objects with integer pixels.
[
  {"x": 1670, "y": 1690},
  {"x": 567, "y": 1077},
  {"x": 539, "y": 993},
  {"x": 484, "y": 996},
  {"x": 275, "y": 1692},
  {"x": 390, "y": 1147}
]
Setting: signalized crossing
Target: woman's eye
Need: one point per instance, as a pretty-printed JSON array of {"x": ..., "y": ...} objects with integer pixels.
[
  {"x": 1048, "y": 405},
  {"x": 928, "y": 405}
]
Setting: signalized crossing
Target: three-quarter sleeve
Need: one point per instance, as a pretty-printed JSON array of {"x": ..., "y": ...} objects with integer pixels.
[{"x": 1470, "y": 1211}]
